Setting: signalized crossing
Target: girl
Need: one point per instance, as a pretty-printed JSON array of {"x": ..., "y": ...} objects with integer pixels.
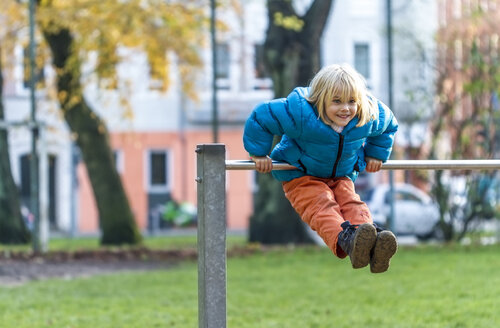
[{"x": 330, "y": 132}]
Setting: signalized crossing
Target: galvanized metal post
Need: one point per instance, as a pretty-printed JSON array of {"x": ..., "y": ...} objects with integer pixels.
[{"x": 211, "y": 178}]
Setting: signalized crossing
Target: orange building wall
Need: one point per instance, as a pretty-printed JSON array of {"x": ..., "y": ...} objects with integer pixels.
[
  {"x": 87, "y": 208},
  {"x": 182, "y": 172}
]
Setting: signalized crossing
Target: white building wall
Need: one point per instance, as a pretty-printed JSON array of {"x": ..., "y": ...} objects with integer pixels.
[
  {"x": 358, "y": 21},
  {"x": 54, "y": 140},
  {"x": 414, "y": 25},
  {"x": 152, "y": 110}
]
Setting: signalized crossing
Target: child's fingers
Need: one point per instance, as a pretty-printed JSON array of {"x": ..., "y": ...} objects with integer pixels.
[
  {"x": 263, "y": 164},
  {"x": 373, "y": 166},
  {"x": 266, "y": 165},
  {"x": 262, "y": 168}
]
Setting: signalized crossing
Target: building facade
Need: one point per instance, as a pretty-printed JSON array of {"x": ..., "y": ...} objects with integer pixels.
[{"x": 154, "y": 143}]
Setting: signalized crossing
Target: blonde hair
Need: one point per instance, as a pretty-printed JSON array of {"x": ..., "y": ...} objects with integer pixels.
[{"x": 344, "y": 82}]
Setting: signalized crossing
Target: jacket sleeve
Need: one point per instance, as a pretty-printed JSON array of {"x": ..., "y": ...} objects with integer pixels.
[
  {"x": 379, "y": 143},
  {"x": 268, "y": 119}
]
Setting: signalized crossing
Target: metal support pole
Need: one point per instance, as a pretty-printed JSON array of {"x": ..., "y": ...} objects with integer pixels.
[
  {"x": 34, "y": 176},
  {"x": 211, "y": 179},
  {"x": 390, "y": 221},
  {"x": 213, "y": 38}
]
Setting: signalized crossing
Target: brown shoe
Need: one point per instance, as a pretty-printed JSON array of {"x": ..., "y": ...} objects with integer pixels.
[
  {"x": 386, "y": 246},
  {"x": 357, "y": 242}
]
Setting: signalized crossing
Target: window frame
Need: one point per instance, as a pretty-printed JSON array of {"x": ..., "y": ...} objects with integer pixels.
[
  {"x": 119, "y": 159},
  {"x": 223, "y": 53},
  {"x": 367, "y": 75},
  {"x": 159, "y": 188}
]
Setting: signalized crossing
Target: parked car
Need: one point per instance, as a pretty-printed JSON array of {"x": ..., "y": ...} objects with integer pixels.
[{"x": 415, "y": 213}]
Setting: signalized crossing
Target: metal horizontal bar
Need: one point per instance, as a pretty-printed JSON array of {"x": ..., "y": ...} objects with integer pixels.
[
  {"x": 459, "y": 164},
  {"x": 250, "y": 165},
  {"x": 437, "y": 164}
]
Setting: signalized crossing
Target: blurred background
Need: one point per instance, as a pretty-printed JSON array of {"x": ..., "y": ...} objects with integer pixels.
[{"x": 103, "y": 106}]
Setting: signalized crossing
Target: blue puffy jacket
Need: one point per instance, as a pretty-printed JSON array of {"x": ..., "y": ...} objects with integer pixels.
[{"x": 313, "y": 146}]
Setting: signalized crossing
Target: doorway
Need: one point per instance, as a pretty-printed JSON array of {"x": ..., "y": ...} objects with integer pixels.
[{"x": 25, "y": 187}]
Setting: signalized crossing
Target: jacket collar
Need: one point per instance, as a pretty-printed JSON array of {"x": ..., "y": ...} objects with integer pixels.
[{"x": 351, "y": 125}]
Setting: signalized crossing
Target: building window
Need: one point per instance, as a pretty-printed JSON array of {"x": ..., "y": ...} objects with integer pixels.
[
  {"x": 25, "y": 187},
  {"x": 484, "y": 5},
  {"x": 39, "y": 72},
  {"x": 260, "y": 68},
  {"x": 493, "y": 5},
  {"x": 458, "y": 59},
  {"x": 466, "y": 8},
  {"x": 457, "y": 9},
  {"x": 223, "y": 60},
  {"x": 442, "y": 12},
  {"x": 494, "y": 45},
  {"x": 158, "y": 179},
  {"x": 119, "y": 163},
  {"x": 362, "y": 59}
]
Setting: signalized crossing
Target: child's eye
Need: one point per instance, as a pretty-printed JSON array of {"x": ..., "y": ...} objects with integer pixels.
[
  {"x": 336, "y": 101},
  {"x": 352, "y": 101}
]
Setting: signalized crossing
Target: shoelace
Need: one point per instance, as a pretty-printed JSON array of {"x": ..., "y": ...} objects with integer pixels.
[
  {"x": 347, "y": 226},
  {"x": 348, "y": 230}
]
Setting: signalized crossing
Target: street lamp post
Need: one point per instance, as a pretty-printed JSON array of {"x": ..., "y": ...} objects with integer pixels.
[
  {"x": 215, "y": 123},
  {"x": 34, "y": 187},
  {"x": 390, "y": 221}
]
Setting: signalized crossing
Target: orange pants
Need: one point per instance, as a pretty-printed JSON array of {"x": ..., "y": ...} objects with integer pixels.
[{"x": 324, "y": 204}]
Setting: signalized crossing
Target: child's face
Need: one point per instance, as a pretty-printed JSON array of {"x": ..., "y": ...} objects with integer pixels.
[{"x": 341, "y": 111}]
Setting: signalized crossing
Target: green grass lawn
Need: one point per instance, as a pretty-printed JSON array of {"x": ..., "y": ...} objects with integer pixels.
[
  {"x": 153, "y": 242},
  {"x": 428, "y": 286}
]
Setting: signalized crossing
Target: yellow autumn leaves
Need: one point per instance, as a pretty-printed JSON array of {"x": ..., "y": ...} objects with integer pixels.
[
  {"x": 288, "y": 22},
  {"x": 161, "y": 29}
]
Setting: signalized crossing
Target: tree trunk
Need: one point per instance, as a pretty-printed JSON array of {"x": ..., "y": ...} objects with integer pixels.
[
  {"x": 12, "y": 228},
  {"x": 292, "y": 56},
  {"x": 115, "y": 215}
]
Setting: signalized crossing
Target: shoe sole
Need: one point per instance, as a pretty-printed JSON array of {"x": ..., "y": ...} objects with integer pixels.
[
  {"x": 385, "y": 247},
  {"x": 364, "y": 241}
]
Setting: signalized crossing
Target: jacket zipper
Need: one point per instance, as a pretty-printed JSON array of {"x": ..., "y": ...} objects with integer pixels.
[
  {"x": 303, "y": 166},
  {"x": 339, "y": 153}
]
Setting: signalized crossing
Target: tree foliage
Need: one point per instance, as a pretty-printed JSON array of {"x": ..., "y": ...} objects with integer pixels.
[
  {"x": 466, "y": 123},
  {"x": 155, "y": 27}
]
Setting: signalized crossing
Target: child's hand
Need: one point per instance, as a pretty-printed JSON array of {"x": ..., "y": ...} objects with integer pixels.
[
  {"x": 373, "y": 165},
  {"x": 263, "y": 164}
]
